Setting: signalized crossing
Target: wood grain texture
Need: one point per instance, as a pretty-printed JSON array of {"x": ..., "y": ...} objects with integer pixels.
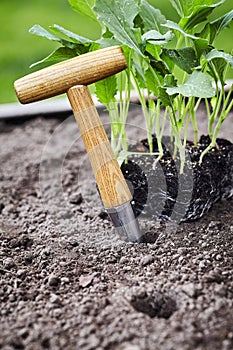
[
  {"x": 113, "y": 188},
  {"x": 81, "y": 70}
]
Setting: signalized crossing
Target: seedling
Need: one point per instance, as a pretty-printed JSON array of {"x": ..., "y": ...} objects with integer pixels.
[{"x": 173, "y": 66}]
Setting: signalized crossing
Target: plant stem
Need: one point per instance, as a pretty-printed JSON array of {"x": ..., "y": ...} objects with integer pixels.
[
  {"x": 215, "y": 112},
  {"x": 228, "y": 97},
  {"x": 158, "y": 130},
  {"x": 142, "y": 100},
  {"x": 194, "y": 122},
  {"x": 124, "y": 108},
  {"x": 186, "y": 128},
  {"x": 209, "y": 116},
  {"x": 216, "y": 130},
  {"x": 113, "y": 115}
]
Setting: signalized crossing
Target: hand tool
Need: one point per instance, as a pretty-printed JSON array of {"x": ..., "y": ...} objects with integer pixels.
[{"x": 71, "y": 77}]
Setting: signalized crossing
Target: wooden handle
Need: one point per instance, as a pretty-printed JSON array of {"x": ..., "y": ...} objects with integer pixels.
[
  {"x": 113, "y": 188},
  {"x": 81, "y": 70}
]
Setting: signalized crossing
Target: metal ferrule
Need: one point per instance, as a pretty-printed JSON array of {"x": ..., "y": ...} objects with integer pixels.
[{"x": 126, "y": 224}]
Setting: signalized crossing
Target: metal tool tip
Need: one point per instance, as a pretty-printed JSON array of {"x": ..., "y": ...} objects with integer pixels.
[{"x": 126, "y": 224}]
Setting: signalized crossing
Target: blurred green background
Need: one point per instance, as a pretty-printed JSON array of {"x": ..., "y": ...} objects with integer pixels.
[{"x": 19, "y": 49}]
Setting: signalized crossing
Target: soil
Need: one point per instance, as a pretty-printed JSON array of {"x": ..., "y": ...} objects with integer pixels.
[
  {"x": 67, "y": 280},
  {"x": 158, "y": 181}
]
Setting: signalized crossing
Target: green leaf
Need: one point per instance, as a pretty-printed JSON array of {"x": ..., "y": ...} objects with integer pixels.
[
  {"x": 220, "y": 54},
  {"x": 79, "y": 44},
  {"x": 164, "y": 97},
  {"x": 84, "y": 7},
  {"x": 186, "y": 8},
  {"x": 156, "y": 38},
  {"x": 106, "y": 90},
  {"x": 177, "y": 4},
  {"x": 128, "y": 53},
  {"x": 199, "y": 13},
  {"x": 167, "y": 62},
  {"x": 82, "y": 44},
  {"x": 154, "y": 50},
  {"x": 152, "y": 18},
  {"x": 175, "y": 26},
  {"x": 216, "y": 69},
  {"x": 215, "y": 27},
  {"x": 184, "y": 58},
  {"x": 139, "y": 75},
  {"x": 118, "y": 18},
  {"x": 158, "y": 65},
  {"x": 70, "y": 35},
  {"x": 205, "y": 33},
  {"x": 151, "y": 84},
  {"x": 198, "y": 84},
  {"x": 200, "y": 46},
  {"x": 218, "y": 64},
  {"x": 170, "y": 80},
  {"x": 107, "y": 39},
  {"x": 40, "y": 31},
  {"x": 61, "y": 54},
  {"x": 107, "y": 42}
]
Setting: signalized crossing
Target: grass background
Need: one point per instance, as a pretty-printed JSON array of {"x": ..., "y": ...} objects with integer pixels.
[{"x": 18, "y": 48}]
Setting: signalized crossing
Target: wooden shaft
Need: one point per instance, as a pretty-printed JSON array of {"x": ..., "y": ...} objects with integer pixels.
[
  {"x": 113, "y": 188},
  {"x": 81, "y": 70}
]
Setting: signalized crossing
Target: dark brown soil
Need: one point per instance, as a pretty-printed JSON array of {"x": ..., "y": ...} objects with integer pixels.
[{"x": 68, "y": 282}]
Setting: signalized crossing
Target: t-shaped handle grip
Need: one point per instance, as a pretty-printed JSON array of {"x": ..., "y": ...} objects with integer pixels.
[{"x": 81, "y": 70}]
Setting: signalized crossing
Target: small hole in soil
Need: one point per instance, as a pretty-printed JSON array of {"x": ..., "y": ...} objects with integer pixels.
[
  {"x": 150, "y": 237},
  {"x": 17, "y": 344},
  {"x": 156, "y": 305},
  {"x": 2, "y": 206},
  {"x": 45, "y": 343}
]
